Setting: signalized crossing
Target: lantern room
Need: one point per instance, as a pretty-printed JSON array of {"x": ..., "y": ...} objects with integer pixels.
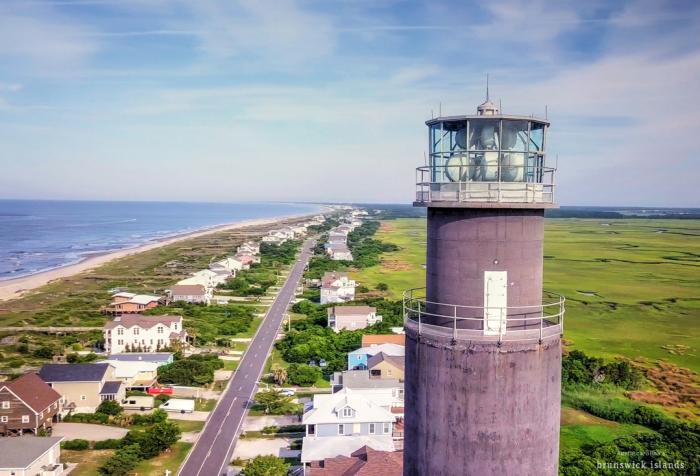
[{"x": 487, "y": 157}]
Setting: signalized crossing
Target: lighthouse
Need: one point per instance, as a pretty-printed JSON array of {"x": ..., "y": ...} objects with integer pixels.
[{"x": 483, "y": 340}]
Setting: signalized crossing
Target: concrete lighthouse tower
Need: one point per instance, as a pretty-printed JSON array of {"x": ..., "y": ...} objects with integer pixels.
[{"x": 483, "y": 347}]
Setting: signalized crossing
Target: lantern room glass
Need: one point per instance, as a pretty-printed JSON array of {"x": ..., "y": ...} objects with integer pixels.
[{"x": 487, "y": 150}]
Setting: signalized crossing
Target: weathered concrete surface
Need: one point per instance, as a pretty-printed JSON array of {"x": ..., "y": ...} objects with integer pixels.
[
  {"x": 463, "y": 243},
  {"x": 479, "y": 409}
]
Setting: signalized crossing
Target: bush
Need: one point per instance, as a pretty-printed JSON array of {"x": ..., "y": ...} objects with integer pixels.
[
  {"x": 156, "y": 416},
  {"x": 154, "y": 440},
  {"x": 109, "y": 407},
  {"x": 44, "y": 352},
  {"x": 266, "y": 466},
  {"x": 303, "y": 375},
  {"x": 194, "y": 370},
  {"x": 110, "y": 444},
  {"x": 123, "y": 461},
  {"x": 75, "y": 445},
  {"x": 99, "y": 418}
]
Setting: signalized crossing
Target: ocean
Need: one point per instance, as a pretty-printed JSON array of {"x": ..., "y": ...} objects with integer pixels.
[{"x": 39, "y": 235}]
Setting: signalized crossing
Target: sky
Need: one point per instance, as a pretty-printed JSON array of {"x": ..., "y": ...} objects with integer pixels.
[{"x": 248, "y": 100}]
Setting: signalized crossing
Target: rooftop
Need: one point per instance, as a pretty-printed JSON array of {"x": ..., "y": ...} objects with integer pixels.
[
  {"x": 326, "y": 408},
  {"x": 388, "y": 349},
  {"x": 145, "y": 322},
  {"x": 188, "y": 290},
  {"x": 362, "y": 462},
  {"x": 111, "y": 387},
  {"x": 316, "y": 449},
  {"x": 73, "y": 372},
  {"x": 397, "y": 361},
  {"x": 21, "y": 452},
  {"x": 33, "y": 391},
  {"x": 155, "y": 357},
  {"x": 376, "y": 339},
  {"x": 351, "y": 310},
  {"x": 360, "y": 379}
]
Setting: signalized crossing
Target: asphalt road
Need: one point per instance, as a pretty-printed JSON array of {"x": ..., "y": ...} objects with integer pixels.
[{"x": 212, "y": 452}]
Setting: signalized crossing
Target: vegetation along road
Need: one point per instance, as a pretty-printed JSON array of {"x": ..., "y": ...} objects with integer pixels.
[{"x": 212, "y": 452}]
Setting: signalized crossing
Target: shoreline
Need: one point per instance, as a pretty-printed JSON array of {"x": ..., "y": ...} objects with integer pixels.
[{"x": 16, "y": 287}]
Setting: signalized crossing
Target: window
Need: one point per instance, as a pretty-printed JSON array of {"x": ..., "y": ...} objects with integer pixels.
[
  {"x": 3, "y": 419},
  {"x": 25, "y": 418},
  {"x": 341, "y": 428},
  {"x": 5, "y": 405},
  {"x": 83, "y": 398},
  {"x": 347, "y": 412},
  {"x": 175, "y": 325},
  {"x": 120, "y": 331},
  {"x": 311, "y": 429},
  {"x": 387, "y": 428},
  {"x": 371, "y": 428},
  {"x": 136, "y": 331},
  {"x": 160, "y": 329}
]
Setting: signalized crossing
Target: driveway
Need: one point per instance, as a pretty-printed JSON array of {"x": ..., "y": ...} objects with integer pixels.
[
  {"x": 249, "y": 449},
  {"x": 87, "y": 431},
  {"x": 257, "y": 423},
  {"x": 194, "y": 416}
]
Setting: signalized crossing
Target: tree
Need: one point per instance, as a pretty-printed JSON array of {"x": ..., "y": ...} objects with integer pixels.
[
  {"x": 279, "y": 373},
  {"x": 273, "y": 402},
  {"x": 44, "y": 352},
  {"x": 304, "y": 375},
  {"x": 267, "y": 465},
  {"x": 123, "y": 461},
  {"x": 109, "y": 407}
]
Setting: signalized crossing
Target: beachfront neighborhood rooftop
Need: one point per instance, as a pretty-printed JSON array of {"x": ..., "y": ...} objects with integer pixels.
[
  {"x": 144, "y": 333},
  {"x": 352, "y": 317}
]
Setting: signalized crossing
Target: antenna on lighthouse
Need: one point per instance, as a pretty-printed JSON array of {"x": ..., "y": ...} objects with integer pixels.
[{"x": 487, "y": 86}]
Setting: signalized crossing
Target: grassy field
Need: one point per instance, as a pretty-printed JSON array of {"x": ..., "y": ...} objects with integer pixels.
[
  {"x": 579, "y": 428},
  {"x": 632, "y": 286},
  {"x": 88, "y": 461}
]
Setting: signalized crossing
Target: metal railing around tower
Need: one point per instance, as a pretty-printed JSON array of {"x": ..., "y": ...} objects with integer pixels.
[
  {"x": 492, "y": 183},
  {"x": 479, "y": 323}
]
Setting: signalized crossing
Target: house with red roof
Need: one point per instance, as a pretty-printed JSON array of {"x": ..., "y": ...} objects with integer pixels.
[
  {"x": 362, "y": 462},
  {"x": 27, "y": 404}
]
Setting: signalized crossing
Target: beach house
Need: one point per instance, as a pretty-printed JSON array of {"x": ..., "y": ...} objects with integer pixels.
[
  {"x": 27, "y": 404},
  {"x": 342, "y": 422},
  {"x": 192, "y": 293},
  {"x": 144, "y": 333},
  {"x": 31, "y": 456},
  {"x": 385, "y": 366},
  {"x": 83, "y": 386},
  {"x": 336, "y": 288},
  {"x": 362, "y": 462},
  {"x": 352, "y": 317},
  {"x": 359, "y": 358},
  {"x": 339, "y": 252},
  {"x": 125, "y": 303}
]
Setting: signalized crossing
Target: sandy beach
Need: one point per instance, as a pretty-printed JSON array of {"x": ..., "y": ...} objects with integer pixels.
[{"x": 14, "y": 288}]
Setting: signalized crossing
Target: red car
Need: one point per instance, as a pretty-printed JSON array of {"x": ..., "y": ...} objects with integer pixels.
[{"x": 160, "y": 391}]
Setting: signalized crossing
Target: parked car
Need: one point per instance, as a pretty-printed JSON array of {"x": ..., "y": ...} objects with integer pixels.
[
  {"x": 160, "y": 391},
  {"x": 180, "y": 405},
  {"x": 288, "y": 392},
  {"x": 138, "y": 403}
]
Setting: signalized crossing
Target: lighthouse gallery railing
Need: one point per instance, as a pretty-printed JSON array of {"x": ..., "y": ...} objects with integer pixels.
[{"x": 518, "y": 323}]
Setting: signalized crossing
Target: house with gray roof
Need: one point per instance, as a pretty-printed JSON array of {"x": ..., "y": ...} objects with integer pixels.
[
  {"x": 83, "y": 386},
  {"x": 340, "y": 423},
  {"x": 31, "y": 455}
]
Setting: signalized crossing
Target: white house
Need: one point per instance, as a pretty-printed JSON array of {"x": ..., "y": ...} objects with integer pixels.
[
  {"x": 352, "y": 317},
  {"x": 149, "y": 333},
  {"x": 230, "y": 263},
  {"x": 193, "y": 293},
  {"x": 339, "y": 252},
  {"x": 337, "y": 288},
  {"x": 340, "y": 423}
]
